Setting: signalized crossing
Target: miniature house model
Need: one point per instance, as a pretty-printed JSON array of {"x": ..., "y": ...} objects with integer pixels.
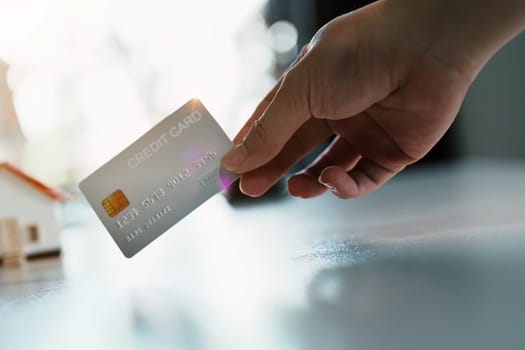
[{"x": 29, "y": 215}]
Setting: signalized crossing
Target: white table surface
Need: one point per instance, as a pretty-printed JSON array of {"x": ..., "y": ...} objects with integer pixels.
[{"x": 433, "y": 260}]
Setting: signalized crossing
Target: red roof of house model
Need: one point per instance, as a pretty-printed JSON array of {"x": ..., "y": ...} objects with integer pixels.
[{"x": 46, "y": 190}]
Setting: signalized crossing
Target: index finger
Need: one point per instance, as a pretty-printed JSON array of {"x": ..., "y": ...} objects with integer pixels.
[
  {"x": 261, "y": 107},
  {"x": 268, "y": 134}
]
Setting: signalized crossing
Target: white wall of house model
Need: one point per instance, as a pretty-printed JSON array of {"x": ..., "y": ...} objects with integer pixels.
[{"x": 35, "y": 206}]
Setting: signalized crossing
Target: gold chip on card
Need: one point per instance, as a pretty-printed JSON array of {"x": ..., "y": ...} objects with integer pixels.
[{"x": 115, "y": 203}]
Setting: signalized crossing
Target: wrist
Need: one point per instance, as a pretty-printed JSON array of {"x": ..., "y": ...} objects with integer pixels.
[{"x": 461, "y": 35}]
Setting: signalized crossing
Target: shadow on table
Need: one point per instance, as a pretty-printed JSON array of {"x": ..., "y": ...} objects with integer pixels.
[{"x": 452, "y": 298}]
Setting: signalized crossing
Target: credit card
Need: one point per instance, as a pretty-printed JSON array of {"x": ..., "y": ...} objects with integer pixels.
[{"x": 160, "y": 178}]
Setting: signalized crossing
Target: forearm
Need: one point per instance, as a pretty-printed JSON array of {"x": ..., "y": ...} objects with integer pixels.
[{"x": 461, "y": 33}]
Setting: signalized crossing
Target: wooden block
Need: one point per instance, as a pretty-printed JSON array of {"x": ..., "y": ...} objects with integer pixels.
[
  {"x": 13, "y": 261},
  {"x": 11, "y": 243}
]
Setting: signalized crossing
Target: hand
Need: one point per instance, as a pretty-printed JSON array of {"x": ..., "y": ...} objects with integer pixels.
[{"x": 386, "y": 97}]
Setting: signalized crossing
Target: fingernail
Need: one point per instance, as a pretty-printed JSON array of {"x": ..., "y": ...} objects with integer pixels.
[
  {"x": 241, "y": 188},
  {"x": 235, "y": 157},
  {"x": 329, "y": 186}
]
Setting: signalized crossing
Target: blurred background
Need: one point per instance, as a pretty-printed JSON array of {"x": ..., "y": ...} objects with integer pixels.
[{"x": 80, "y": 80}]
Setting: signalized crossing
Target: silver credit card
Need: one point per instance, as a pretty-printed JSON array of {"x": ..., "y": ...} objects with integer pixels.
[{"x": 160, "y": 178}]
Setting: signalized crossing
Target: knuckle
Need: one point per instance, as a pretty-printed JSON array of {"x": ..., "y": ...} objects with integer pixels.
[
  {"x": 297, "y": 87},
  {"x": 258, "y": 133},
  {"x": 322, "y": 99},
  {"x": 316, "y": 105}
]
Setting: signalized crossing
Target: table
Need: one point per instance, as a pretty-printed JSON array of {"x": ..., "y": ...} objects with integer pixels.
[{"x": 433, "y": 260}]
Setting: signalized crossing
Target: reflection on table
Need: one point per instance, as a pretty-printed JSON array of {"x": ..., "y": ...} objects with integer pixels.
[{"x": 433, "y": 260}]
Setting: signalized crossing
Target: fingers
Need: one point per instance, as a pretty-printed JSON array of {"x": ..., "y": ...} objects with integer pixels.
[
  {"x": 258, "y": 181},
  {"x": 268, "y": 134},
  {"x": 364, "y": 178},
  {"x": 306, "y": 183}
]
